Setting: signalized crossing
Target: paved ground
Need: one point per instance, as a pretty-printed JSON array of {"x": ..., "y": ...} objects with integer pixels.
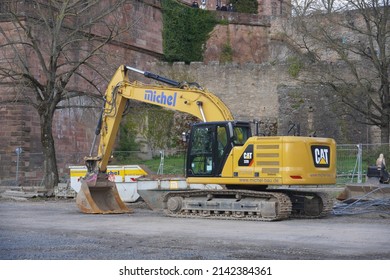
[{"x": 38, "y": 229}]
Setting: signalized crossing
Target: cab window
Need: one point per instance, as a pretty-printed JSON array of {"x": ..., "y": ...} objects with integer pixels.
[
  {"x": 201, "y": 155},
  {"x": 240, "y": 135}
]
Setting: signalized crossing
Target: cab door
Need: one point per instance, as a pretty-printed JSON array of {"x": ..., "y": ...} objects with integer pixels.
[{"x": 208, "y": 147}]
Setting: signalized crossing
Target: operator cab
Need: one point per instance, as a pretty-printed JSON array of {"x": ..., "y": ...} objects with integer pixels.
[{"x": 210, "y": 144}]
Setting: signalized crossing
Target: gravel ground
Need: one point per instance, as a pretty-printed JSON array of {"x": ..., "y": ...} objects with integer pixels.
[{"x": 55, "y": 230}]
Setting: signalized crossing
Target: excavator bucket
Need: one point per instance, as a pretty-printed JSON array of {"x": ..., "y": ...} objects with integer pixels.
[{"x": 101, "y": 197}]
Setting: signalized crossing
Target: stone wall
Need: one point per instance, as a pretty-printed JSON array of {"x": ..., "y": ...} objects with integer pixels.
[
  {"x": 244, "y": 40},
  {"x": 17, "y": 126},
  {"x": 267, "y": 93}
]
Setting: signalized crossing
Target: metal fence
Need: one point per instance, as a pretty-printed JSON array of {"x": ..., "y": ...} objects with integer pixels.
[
  {"x": 352, "y": 163},
  {"x": 26, "y": 169}
]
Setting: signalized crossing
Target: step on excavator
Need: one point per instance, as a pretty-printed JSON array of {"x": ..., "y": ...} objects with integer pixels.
[{"x": 229, "y": 173}]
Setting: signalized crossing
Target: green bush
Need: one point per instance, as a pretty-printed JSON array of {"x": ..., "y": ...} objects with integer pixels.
[{"x": 295, "y": 66}]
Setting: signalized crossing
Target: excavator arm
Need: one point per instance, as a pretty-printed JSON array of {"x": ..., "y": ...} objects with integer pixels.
[
  {"x": 179, "y": 97},
  {"x": 183, "y": 97}
]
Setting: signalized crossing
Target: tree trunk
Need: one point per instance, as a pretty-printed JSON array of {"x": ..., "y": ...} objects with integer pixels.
[{"x": 51, "y": 178}]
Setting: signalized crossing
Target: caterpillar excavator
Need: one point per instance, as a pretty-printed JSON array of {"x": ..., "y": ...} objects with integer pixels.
[{"x": 230, "y": 174}]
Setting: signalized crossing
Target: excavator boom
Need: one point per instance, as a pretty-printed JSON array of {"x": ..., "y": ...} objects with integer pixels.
[{"x": 192, "y": 100}]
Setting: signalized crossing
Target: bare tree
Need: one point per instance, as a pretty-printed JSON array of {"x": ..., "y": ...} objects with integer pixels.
[
  {"x": 302, "y": 7},
  {"x": 48, "y": 56},
  {"x": 351, "y": 49},
  {"x": 307, "y": 7}
]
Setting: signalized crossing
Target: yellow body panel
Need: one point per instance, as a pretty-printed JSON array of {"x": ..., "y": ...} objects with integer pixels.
[{"x": 285, "y": 160}]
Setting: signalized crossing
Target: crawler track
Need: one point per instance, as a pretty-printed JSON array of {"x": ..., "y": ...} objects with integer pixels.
[
  {"x": 307, "y": 204},
  {"x": 275, "y": 205},
  {"x": 228, "y": 204}
]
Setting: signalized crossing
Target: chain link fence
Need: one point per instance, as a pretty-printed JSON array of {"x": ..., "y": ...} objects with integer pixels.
[{"x": 26, "y": 169}]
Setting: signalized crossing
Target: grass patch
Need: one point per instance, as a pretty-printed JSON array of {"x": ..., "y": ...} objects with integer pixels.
[{"x": 172, "y": 164}]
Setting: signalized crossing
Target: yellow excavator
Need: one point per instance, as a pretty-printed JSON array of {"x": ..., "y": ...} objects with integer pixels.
[{"x": 230, "y": 174}]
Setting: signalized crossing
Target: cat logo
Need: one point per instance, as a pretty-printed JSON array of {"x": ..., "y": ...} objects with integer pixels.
[
  {"x": 246, "y": 158},
  {"x": 248, "y": 155},
  {"x": 321, "y": 156}
]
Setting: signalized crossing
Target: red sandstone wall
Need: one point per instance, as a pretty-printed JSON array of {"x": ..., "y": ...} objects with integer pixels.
[{"x": 247, "y": 35}]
